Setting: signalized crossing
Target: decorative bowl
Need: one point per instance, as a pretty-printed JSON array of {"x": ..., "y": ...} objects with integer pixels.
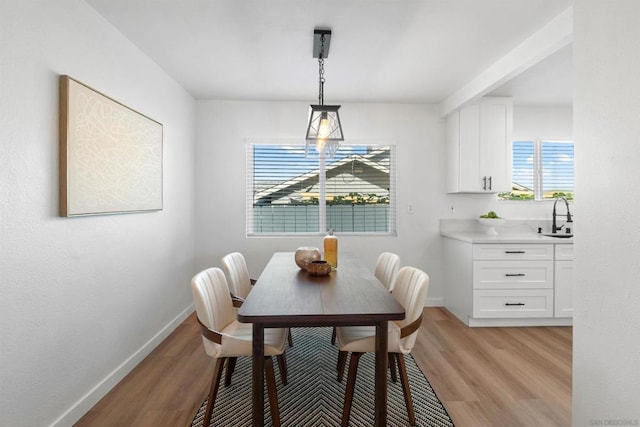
[
  {"x": 492, "y": 222},
  {"x": 305, "y": 254},
  {"x": 319, "y": 268}
]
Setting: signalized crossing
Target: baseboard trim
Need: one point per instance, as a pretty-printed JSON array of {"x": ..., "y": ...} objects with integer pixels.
[
  {"x": 434, "y": 302},
  {"x": 82, "y": 406},
  {"x": 526, "y": 322}
]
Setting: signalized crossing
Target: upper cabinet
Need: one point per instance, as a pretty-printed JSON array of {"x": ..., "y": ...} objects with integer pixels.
[{"x": 479, "y": 147}]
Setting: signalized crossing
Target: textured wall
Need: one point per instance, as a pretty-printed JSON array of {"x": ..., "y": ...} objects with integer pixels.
[
  {"x": 80, "y": 297},
  {"x": 607, "y": 125}
]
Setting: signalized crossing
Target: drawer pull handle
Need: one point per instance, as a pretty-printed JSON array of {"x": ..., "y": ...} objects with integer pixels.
[
  {"x": 514, "y": 252},
  {"x": 514, "y": 303},
  {"x": 514, "y": 274}
]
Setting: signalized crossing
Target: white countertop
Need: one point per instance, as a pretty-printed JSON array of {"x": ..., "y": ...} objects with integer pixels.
[
  {"x": 518, "y": 231},
  {"x": 478, "y": 237}
]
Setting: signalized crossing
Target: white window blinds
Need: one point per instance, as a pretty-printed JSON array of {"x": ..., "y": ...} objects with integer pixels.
[
  {"x": 541, "y": 170},
  {"x": 353, "y": 192}
]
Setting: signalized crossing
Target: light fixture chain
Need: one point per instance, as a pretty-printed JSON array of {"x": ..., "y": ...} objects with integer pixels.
[{"x": 321, "y": 72}]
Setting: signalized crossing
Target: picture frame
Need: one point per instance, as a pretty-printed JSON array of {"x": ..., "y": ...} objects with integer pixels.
[{"x": 110, "y": 155}]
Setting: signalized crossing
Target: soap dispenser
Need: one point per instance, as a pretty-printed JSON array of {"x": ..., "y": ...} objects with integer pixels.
[{"x": 331, "y": 249}]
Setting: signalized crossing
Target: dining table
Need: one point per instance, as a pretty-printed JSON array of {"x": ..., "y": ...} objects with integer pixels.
[{"x": 285, "y": 296}]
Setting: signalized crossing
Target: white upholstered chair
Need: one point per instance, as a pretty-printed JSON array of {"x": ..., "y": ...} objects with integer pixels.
[
  {"x": 386, "y": 270},
  {"x": 239, "y": 279},
  {"x": 225, "y": 338},
  {"x": 410, "y": 291},
  {"x": 238, "y": 274}
]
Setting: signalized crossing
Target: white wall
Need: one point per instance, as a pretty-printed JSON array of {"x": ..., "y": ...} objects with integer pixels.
[
  {"x": 81, "y": 300},
  {"x": 417, "y": 131},
  {"x": 606, "y": 368},
  {"x": 551, "y": 123}
]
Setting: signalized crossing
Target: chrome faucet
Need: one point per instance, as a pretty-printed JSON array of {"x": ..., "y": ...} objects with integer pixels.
[{"x": 554, "y": 228}]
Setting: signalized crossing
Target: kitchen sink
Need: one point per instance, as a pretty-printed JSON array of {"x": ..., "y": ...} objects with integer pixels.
[{"x": 559, "y": 235}]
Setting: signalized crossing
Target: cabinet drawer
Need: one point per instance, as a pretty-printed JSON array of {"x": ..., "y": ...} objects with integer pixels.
[
  {"x": 512, "y": 274},
  {"x": 512, "y": 303},
  {"x": 564, "y": 252},
  {"x": 492, "y": 251}
]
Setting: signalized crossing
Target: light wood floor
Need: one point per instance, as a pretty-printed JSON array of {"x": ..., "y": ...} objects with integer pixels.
[{"x": 484, "y": 376}]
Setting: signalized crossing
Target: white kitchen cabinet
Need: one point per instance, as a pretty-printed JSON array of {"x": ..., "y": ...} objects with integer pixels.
[
  {"x": 564, "y": 281},
  {"x": 507, "y": 284},
  {"x": 525, "y": 303},
  {"x": 479, "y": 147},
  {"x": 512, "y": 281}
]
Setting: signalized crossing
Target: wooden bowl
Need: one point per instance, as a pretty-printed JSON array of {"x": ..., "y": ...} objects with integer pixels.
[{"x": 319, "y": 268}]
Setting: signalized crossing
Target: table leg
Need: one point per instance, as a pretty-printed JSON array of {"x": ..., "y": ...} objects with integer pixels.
[
  {"x": 381, "y": 374},
  {"x": 258, "y": 376}
]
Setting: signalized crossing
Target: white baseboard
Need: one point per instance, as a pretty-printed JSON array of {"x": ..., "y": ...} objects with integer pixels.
[
  {"x": 434, "y": 302},
  {"x": 83, "y": 405},
  {"x": 527, "y": 322}
]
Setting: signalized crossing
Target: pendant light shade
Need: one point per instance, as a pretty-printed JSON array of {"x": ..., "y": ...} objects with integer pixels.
[{"x": 324, "y": 130}]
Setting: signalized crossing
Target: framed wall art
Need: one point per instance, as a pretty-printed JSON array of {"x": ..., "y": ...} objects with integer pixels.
[{"x": 110, "y": 155}]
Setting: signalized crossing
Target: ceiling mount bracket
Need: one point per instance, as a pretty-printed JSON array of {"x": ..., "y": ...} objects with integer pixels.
[{"x": 317, "y": 43}]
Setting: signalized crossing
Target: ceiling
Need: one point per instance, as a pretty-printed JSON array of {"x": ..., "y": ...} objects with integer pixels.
[{"x": 381, "y": 50}]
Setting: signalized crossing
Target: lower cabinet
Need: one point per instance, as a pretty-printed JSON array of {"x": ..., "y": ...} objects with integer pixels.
[
  {"x": 564, "y": 281},
  {"x": 492, "y": 284},
  {"x": 491, "y": 303}
]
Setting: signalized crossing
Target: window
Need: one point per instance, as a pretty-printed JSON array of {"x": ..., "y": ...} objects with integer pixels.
[
  {"x": 353, "y": 192},
  {"x": 542, "y": 170}
]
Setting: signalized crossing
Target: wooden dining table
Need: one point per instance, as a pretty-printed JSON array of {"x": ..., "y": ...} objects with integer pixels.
[{"x": 285, "y": 296}]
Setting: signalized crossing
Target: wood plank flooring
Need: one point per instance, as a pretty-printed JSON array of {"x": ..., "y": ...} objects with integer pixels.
[
  {"x": 484, "y": 376},
  {"x": 497, "y": 376}
]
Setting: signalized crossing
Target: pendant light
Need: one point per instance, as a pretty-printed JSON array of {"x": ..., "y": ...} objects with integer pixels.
[{"x": 324, "y": 130}]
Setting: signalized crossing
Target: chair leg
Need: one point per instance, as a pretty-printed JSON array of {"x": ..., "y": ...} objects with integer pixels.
[
  {"x": 282, "y": 364},
  {"x": 333, "y": 336},
  {"x": 392, "y": 367},
  {"x": 213, "y": 391},
  {"x": 272, "y": 391},
  {"x": 231, "y": 366},
  {"x": 290, "y": 338},
  {"x": 342, "y": 361},
  {"x": 349, "y": 390},
  {"x": 404, "y": 378}
]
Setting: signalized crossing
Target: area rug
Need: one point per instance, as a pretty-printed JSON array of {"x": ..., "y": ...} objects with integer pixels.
[{"x": 313, "y": 396}]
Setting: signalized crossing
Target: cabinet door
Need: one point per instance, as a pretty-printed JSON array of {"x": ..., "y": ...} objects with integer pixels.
[
  {"x": 513, "y": 251},
  {"x": 478, "y": 147},
  {"x": 512, "y": 274},
  {"x": 470, "y": 175},
  {"x": 493, "y": 303},
  {"x": 453, "y": 152},
  {"x": 564, "y": 282},
  {"x": 496, "y": 144}
]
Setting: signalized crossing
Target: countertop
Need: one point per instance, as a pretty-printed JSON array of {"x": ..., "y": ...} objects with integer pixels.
[{"x": 478, "y": 237}]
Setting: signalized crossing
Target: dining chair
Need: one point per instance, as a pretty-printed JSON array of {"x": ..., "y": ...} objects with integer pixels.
[
  {"x": 238, "y": 274},
  {"x": 225, "y": 338},
  {"x": 410, "y": 291},
  {"x": 386, "y": 270},
  {"x": 240, "y": 282}
]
